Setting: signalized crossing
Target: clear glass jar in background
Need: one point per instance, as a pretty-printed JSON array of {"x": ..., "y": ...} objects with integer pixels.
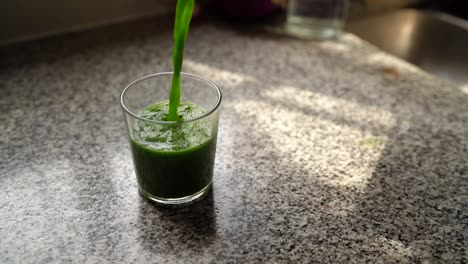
[
  {"x": 167, "y": 171},
  {"x": 316, "y": 19}
]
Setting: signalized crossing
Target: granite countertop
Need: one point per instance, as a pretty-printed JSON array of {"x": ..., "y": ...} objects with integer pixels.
[{"x": 327, "y": 152}]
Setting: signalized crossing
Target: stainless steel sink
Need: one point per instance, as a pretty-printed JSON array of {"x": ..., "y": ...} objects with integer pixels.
[{"x": 436, "y": 42}]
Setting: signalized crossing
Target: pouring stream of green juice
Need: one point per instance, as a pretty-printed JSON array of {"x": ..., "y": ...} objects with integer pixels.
[{"x": 183, "y": 16}]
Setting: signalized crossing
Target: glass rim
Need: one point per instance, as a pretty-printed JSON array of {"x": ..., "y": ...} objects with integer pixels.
[{"x": 189, "y": 75}]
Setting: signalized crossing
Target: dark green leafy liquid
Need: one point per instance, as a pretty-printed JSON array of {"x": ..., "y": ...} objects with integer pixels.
[
  {"x": 177, "y": 160},
  {"x": 174, "y": 161},
  {"x": 184, "y": 12}
]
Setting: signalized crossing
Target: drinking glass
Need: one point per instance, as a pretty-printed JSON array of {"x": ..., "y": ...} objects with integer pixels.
[
  {"x": 166, "y": 172},
  {"x": 316, "y": 19}
]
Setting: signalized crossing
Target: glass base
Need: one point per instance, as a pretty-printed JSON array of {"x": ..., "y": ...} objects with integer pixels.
[
  {"x": 176, "y": 201},
  {"x": 314, "y": 28}
]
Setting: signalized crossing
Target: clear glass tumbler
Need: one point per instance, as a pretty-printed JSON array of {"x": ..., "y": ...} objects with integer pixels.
[
  {"x": 173, "y": 160},
  {"x": 316, "y": 19}
]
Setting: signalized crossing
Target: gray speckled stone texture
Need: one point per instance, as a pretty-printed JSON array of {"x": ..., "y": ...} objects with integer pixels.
[{"x": 328, "y": 152}]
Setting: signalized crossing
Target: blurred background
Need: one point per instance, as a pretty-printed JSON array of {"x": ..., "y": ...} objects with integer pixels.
[{"x": 25, "y": 20}]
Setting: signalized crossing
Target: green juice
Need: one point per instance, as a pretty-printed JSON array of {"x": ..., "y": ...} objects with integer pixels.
[
  {"x": 184, "y": 10},
  {"x": 173, "y": 161}
]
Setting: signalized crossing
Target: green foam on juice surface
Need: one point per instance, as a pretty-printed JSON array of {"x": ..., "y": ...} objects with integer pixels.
[{"x": 173, "y": 161}]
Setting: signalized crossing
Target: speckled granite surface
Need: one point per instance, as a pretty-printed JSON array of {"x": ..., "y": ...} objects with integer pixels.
[{"x": 328, "y": 152}]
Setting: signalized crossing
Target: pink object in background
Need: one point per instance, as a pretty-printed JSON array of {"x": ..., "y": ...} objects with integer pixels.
[
  {"x": 197, "y": 11},
  {"x": 246, "y": 9}
]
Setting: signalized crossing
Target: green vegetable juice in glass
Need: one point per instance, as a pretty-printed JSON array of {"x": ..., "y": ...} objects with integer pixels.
[
  {"x": 173, "y": 141},
  {"x": 173, "y": 160}
]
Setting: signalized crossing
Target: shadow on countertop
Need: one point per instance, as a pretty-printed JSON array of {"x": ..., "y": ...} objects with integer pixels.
[
  {"x": 174, "y": 229},
  {"x": 414, "y": 202},
  {"x": 413, "y": 205},
  {"x": 101, "y": 39}
]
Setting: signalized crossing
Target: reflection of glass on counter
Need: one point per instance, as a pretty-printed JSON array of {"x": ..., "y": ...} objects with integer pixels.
[{"x": 316, "y": 19}]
